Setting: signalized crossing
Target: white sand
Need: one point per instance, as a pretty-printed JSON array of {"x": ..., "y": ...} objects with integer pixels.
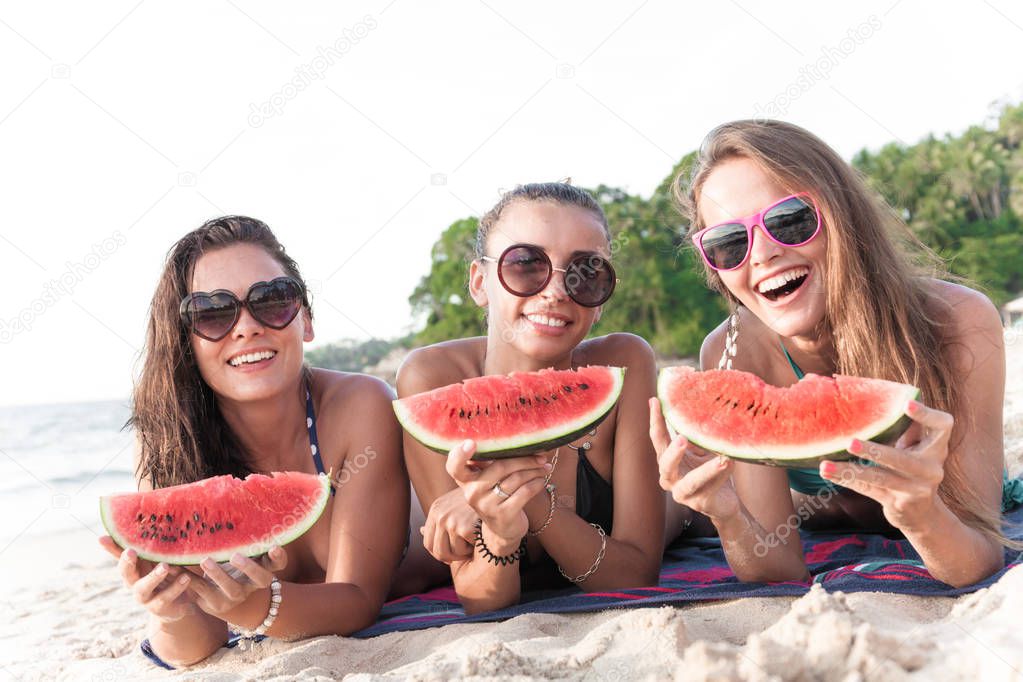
[{"x": 76, "y": 622}]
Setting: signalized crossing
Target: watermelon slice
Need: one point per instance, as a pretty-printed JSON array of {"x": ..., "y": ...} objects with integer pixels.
[
  {"x": 737, "y": 414},
  {"x": 514, "y": 415},
  {"x": 217, "y": 517}
]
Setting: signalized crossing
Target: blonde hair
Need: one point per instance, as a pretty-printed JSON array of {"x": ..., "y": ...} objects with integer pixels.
[{"x": 880, "y": 312}]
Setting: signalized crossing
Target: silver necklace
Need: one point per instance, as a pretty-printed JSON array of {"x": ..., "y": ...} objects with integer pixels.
[{"x": 586, "y": 444}]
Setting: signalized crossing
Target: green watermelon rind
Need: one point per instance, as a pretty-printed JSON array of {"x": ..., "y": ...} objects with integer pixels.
[
  {"x": 523, "y": 449},
  {"x": 885, "y": 430},
  {"x": 250, "y": 549}
]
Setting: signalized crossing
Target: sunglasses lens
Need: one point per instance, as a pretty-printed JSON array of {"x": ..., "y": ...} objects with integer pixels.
[
  {"x": 212, "y": 316},
  {"x": 276, "y": 303},
  {"x": 725, "y": 246},
  {"x": 524, "y": 270},
  {"x": 590, "y": 280},
  {"x": 792, "y": 222}
]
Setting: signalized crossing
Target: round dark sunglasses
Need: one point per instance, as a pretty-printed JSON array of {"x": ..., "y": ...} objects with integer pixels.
[
  {"x": 526, "y": 270},
  {"x": 792, "y": 221},
  {"x": 212, "y": 315}
]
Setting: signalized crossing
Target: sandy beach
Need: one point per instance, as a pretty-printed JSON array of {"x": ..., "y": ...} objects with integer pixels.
[{"x": 74, "y": 620}]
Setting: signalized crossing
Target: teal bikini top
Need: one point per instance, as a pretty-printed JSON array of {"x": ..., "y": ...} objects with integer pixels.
[{"x": 807, "y": 481}]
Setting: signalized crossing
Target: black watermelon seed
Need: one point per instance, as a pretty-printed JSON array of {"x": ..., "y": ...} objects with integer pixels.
[
  {"x": 584, "y": 386},
  {"x": 169, "y": 518},
  {"x": 230, "y": 526},
  {"x": 188, "y": 525},
  {"x": 140, "y": 517},
  {"x": 218, "y": 526},
  {"x": 198, "y": 532},
  {"x": 522, "y": 401},
  {"x": 184, "y": 534},
  {"x": 212, "y": 530},
  {"x": 567, "y": 389},
  {"x": 145, "y": 534},
  {"x": 152, "y": 517}
]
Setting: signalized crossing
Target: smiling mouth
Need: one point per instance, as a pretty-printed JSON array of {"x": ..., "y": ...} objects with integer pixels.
[
  {"x": 251, "y": 358},
  {"x": 553, "y": 322},
  {"x": 785, "y": 284}
]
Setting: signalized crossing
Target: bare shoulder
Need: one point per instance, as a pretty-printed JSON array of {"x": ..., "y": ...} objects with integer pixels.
[
  {"x": 350, "y": 386},
  {"x": 713, "y": 346},
  {"x": 619, "y": 349},
  {"x": 440, "y": 364},
  {"x": 754, "y": 345},
  {"x": 970, "y": 310},
  {"x": 974, "y": 328}
]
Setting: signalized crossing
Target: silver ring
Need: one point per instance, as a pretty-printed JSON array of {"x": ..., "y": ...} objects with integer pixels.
[{"x": 499, "y": 491}]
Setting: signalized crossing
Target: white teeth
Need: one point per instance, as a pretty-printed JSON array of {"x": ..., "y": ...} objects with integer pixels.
[
  {"x": 251, "y": 357},
  {"x": 544, "y": 320},
  {"x": 781, "y": 280}
]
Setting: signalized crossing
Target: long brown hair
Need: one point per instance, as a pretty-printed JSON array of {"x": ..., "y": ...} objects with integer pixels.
[
  {"x": 182, "y": 436},
  {"x": 881, "y": 312}
]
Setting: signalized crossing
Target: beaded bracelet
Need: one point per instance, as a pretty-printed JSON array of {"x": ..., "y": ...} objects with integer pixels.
[
  {"x": 271, "y": 616},
  {"x": 596, "y": 562},
  {"x": 506, "y": 560}
]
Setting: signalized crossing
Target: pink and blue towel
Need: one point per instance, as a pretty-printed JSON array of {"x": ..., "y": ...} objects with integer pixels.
[{"x": 695, "y": 570}]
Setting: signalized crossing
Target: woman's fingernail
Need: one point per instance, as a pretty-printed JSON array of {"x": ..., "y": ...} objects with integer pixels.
[
  {"x": 548, "y": 466},
  {"x": 207, "y": 564},
  {"x": 856, "y": 446},
  {"x": 236, "y": 560},
  {"x": 183, "y": 579},
  {"x": 130, "y": 556},
  {"x": 422, "y": 531},
  {"x": 913, "y": 406},
  {"x": 722, "y": 461},
  {"x": 466, "y": 445},
  {"x": 161, "y": 568},
  {"x": 828, "y": 469}
]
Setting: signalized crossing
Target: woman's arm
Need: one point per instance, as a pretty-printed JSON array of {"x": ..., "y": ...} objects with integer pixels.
[
  {"x": 633, "y": 551},
  {"x": 749, "y": 505},
  {"x": 906, "y": 481}
]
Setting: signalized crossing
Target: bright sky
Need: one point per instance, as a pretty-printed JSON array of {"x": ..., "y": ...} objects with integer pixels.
[{"x": 359, "y": 131}]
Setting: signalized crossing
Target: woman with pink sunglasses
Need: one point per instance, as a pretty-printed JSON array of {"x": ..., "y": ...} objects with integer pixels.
[
  {"x": 814, "y": 268},
  {"x": 588, "y": 513}
]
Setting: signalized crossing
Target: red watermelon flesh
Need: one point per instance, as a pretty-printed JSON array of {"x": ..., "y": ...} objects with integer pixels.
[
  {"x": 216, "y": 517},
  {"x": 512, "y": 415},
  {"x": 739, "y": 415}
]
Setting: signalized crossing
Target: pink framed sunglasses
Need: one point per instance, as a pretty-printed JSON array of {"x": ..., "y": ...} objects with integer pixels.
[{"x": 792, "y": 221}]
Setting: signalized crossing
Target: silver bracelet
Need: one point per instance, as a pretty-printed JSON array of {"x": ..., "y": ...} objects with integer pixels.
[
  {"x": 596, "y": 562},
  {"x": 271, "y": 616}
]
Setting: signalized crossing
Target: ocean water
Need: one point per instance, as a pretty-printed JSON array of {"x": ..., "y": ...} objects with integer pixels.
[{"x": 55, "y": 462}]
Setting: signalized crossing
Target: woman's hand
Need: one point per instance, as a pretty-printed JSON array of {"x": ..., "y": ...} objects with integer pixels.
[
  {"x": 220, "y": 592},
  {"x": 498, "y": 490},
  {"x": 160, "y": 588},
  {"x": 695, "y": 477},
  {"x": 908, "y": 474},
  {"x": 449, "y": 531}
]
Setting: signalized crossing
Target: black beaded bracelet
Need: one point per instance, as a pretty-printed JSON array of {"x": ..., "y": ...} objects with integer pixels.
[{"x": 506, "y": 560}]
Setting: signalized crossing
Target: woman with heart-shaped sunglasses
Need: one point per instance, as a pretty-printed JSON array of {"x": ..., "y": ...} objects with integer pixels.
[
  {"x": 812, "y": 263},
  {"x": 224, "y": 389}
]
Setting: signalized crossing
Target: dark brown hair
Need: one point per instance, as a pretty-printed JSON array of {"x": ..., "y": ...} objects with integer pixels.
[
  {"x": 881, "y": 312},
  {"x": 182, "y": 436},
  {"x": 556, "y": 192}
]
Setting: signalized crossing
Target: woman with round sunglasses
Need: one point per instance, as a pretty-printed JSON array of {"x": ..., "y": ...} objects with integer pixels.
[
  {"x": 588, "y": 513},
  {"x": 224, "y": 390},
  {"x": 823, "y": 278}
]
